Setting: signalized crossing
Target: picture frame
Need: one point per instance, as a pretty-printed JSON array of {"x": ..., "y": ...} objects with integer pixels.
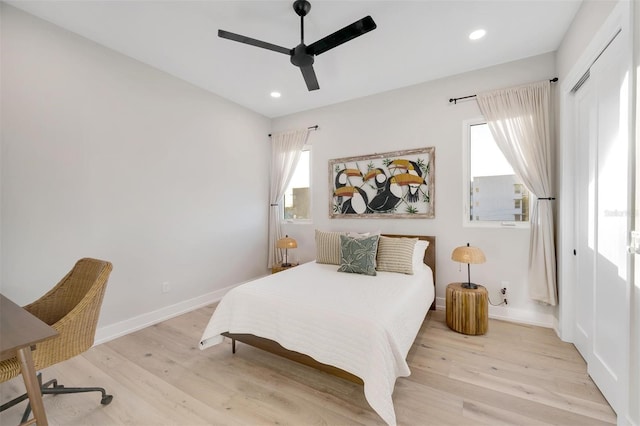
[{"x": 390, "y": 185}]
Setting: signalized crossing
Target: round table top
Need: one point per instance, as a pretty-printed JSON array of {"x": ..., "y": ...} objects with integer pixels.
[{"x": 458, "y": 287}]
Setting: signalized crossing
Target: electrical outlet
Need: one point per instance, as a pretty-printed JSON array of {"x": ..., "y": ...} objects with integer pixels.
[
  {"x": 166, "y": 287},
  {"x": 503, "y": 291}
]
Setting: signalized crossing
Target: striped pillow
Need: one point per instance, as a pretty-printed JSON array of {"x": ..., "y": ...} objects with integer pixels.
[
  {"x": 328, "y": 247},
  {"x": 396, "y": 254}
]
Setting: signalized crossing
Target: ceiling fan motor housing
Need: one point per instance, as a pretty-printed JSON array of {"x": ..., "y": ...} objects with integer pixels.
[
  {"x": 300, "y": 57},
  {"x": 301, "y": 7}
]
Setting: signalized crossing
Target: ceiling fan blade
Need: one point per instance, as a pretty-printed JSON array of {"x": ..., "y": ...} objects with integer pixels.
[
  {"x": 349, "y": 32},
  {"x": 310, "y": 77},
  {"x": 253, "y": 42}
]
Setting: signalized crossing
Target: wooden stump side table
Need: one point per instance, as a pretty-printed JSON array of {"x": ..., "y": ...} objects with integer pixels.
[
  {"x": 467, "y": 309},
  {"x": 278, "y": 268}
]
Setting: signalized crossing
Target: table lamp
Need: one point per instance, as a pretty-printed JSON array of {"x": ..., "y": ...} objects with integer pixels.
[
  {"x": 468, "y": 255},
  {"x": 286, "y": 243}
]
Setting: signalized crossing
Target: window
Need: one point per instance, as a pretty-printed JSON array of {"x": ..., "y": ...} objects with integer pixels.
[
  {"x": 297, "y": 197},
  {"x": 493, "y": 194}
]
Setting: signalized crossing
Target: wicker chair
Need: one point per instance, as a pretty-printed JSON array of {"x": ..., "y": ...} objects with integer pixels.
[{"x": 72, "y": 308}]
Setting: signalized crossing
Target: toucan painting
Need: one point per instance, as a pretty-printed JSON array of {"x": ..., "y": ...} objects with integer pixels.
[{"x": 397, "y": 184}]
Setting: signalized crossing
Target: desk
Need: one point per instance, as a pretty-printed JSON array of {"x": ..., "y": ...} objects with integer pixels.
[{"x": 19, "y": 331}]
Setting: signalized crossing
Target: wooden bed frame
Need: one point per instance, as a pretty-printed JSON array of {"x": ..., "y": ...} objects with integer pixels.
[{"x": 275, "y": 348}]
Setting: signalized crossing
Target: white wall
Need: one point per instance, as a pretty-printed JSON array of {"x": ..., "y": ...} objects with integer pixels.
[
  {"x": 420, "y": 116},
  {"x": 103, "y": 156},
  {"x": 588, "y": 19}
]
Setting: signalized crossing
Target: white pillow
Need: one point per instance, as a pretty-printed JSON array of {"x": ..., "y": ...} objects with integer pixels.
[
  {"x": 418, "y": 254},
  {"x": 358, "y": 235},
  {"x": 362, "y": 234}
]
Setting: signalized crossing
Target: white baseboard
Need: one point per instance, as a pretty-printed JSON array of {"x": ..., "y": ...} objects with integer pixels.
[
  {"x": 122, "y": 328},
  {"x": 511, "y": 314},
  {"x": 113, "y": 331}
]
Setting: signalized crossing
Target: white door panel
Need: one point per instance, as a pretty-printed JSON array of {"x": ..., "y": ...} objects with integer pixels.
[
  {"x": 610, "y": 334},
  {"x": 602, "y": 289},
  {"x": 586, "y": 131}
]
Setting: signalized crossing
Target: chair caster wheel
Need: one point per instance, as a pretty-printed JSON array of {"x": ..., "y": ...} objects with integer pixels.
[{"x": 106, "y": 400}]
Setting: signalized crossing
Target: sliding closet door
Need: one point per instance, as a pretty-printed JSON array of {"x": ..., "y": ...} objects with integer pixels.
[
  {"x": 609, "y": 364},
  {"x": 586, "y": 130},
  {"x": 602, "y": 309}
]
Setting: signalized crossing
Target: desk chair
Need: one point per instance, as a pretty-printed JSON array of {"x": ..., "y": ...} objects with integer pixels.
[{"x": 72, "y": 307}]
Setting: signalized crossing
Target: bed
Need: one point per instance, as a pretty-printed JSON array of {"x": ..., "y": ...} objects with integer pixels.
[{"x": 355, "y": 326}]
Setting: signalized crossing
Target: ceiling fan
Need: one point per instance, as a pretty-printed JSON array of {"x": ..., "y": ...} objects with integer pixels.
[{"x": 302, "y": 55}]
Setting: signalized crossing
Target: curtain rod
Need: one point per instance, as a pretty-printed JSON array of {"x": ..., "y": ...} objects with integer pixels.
[
  {"x": 308, "y": 128},
  {"x": 455, "y": 100}
]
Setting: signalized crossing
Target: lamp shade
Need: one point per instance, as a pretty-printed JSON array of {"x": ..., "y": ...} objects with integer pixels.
[
  {"x": 467, "y": 254},
  {"x": 286, "y": 243}
]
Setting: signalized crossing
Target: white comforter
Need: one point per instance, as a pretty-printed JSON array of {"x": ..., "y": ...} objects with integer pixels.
[{"x": 362, "y": 324}]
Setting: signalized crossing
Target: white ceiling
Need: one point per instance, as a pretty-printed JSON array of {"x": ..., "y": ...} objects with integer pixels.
[{"x": 415, "y": 41}]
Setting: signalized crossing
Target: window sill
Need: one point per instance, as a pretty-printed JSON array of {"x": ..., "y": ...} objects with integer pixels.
[
  {"x": 297, "y": 222},
  {"x": 497, "y": 225}
]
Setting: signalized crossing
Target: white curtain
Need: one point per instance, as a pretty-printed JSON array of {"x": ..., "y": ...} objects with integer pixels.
[
  {"x": 519, "y": 119},
  {"x": 285, "y": 153}
]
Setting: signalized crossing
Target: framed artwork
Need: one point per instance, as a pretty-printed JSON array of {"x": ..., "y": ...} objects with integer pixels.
[{"x": 391, "y": 185}]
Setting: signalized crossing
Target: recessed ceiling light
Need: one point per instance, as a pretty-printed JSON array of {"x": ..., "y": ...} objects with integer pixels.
[
  {"x": 275, "y": 94},
  {"x": 477, "y": 34}
]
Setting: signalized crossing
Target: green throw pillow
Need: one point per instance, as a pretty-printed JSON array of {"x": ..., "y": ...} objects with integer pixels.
[{"x": 358, "y": 255}]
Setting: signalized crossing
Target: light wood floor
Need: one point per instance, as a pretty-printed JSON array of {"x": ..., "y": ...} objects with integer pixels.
[{"x": 515, "y": 375}]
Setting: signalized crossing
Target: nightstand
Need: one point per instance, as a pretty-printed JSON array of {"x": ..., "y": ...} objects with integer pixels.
[
  {"x": 279, "y": 268},
  {"x": 467, "y": 309}
]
